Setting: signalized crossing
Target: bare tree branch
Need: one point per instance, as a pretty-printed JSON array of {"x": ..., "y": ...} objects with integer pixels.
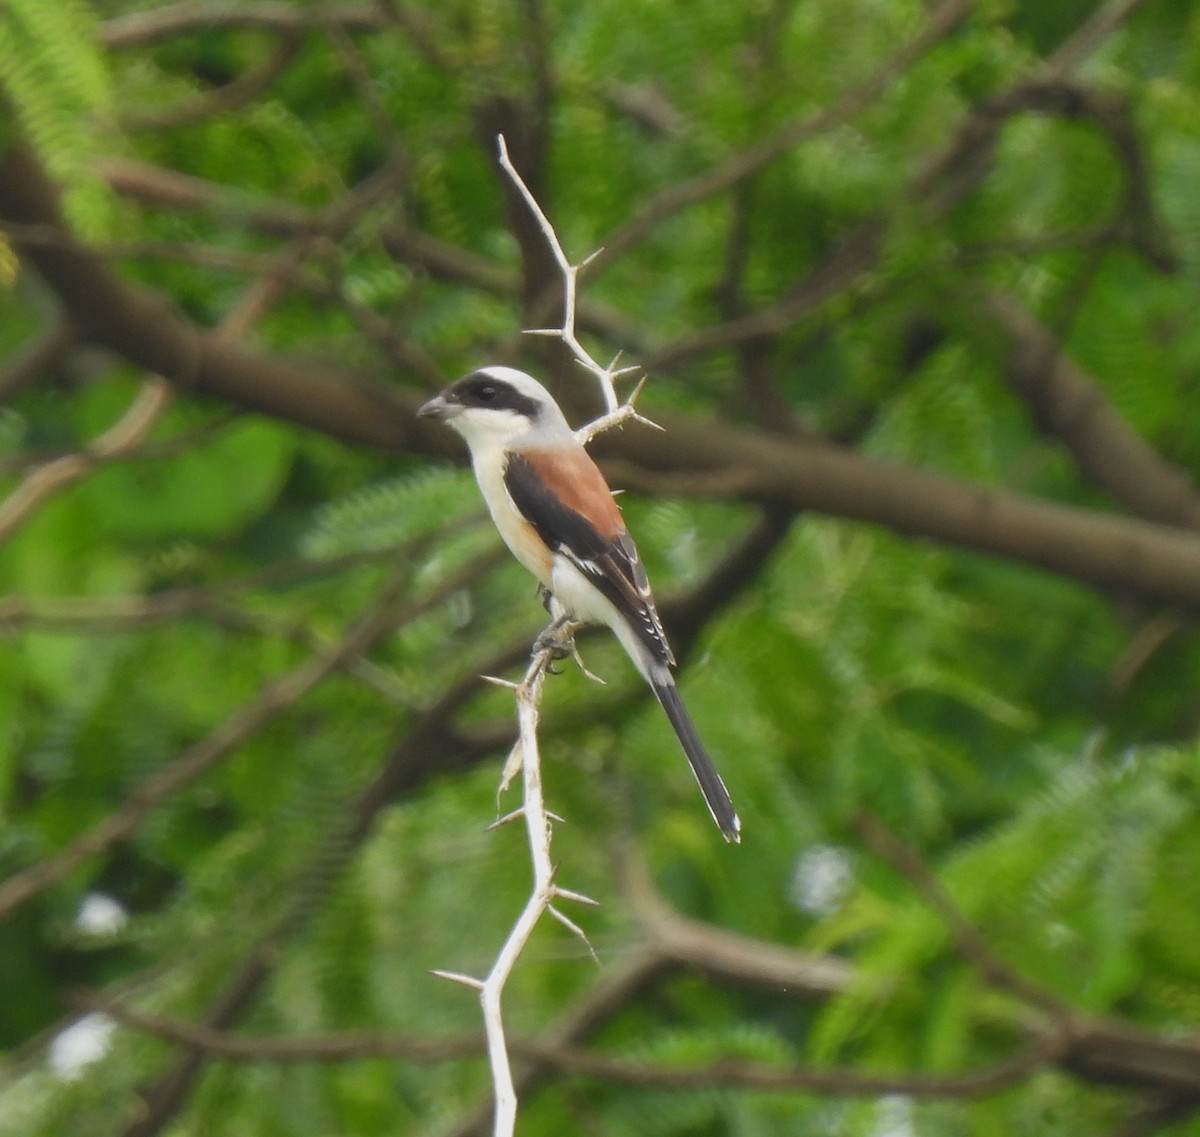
[
  {"x": 137, "y": 28},
  {"x": 143, "y": 328},
  {"x": 571, "y": 1061},
  {"x": 138, "y": 419},
  {"x": 1067, "y": 404},
  {"x": 1090, "y": 35},
  {"x": 275, "y": 698},
  {"x": 169, "y": 189},
  {"x": 970, "y": 943},
  {"x": 37, "y": 357},
  {"x": 942, "y": 21},
  {"x": 221, "y": 100},
  {"x": 718, "y": 951}
]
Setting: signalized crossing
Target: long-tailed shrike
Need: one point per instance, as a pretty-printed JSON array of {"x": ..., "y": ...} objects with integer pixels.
[{"x": 556, "y": 513}]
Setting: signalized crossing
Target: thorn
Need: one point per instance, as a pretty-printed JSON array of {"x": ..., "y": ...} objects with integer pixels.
[
  {"x": 566, "y": 922},
  {"x": 579, "y": 661},
  {"x": 591, "y": 367},
  {"x": 571, "y": 926},
  {"x": 557, "y": 332},
  {"x": 612, "y": 367},
  {"x": 507, "y": 819},
  {"x": 589, "y": 258},
  {"x": 555, "y": 817},
  {"x": 502, "y": 146},
  {"x": 458, "y": 977},
  {"x": 578, "y": 897},
  {"x": 637, "y": 390},
  {"x": 496, "y": 681},
  {"x": 648, "y": 422}
]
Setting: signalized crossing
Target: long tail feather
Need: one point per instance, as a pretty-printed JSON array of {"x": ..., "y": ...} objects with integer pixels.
[{"x": 715, "y": 794}]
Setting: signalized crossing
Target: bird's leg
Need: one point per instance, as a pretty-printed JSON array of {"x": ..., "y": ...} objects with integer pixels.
[{"x": 557, "y": 639}]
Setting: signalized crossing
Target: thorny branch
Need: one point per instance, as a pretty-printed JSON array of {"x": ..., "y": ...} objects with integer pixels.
[
  {"x": 525, "y": 757},
  {"x": 182, "y": 17},
  {"x": 617, "y": 412},
  {"x": 554, "y": 643}
]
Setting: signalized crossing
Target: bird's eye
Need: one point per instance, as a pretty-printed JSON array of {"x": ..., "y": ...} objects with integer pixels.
[{"x": 485, "y": 392}]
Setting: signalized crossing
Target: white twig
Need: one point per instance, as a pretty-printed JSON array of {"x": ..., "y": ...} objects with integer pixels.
[
  {"x": 551, "y": 645},
  {"x": 538, "y": 827},
  {"x": 616, "y": 412},
  {"x": 541, "y": 898}
]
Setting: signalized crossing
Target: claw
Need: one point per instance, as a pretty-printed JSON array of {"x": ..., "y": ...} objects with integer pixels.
[{"x": 557, "y": 640}]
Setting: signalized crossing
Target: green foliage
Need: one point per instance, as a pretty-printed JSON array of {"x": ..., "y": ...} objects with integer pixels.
[
  {"x": 392, "y": 512},
  {"x": 56, "y": 78},
  {"x": 1030, "y": 736}
]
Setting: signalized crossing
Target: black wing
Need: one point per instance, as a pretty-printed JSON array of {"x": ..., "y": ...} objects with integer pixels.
[{"x": 612, "y": 562}]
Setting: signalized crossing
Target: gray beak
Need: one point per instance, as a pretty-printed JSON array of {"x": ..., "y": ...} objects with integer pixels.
[{"x": 438, "y": 408}]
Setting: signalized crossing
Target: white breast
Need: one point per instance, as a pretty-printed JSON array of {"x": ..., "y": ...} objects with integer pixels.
[{"x": 518, "y": 534}]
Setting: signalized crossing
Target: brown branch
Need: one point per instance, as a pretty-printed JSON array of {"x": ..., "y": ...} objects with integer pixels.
[
  {"x": 445, "y": 261},
  {"x": 1100, "y": 1051},
  {"x": 276, "y": 697},
  {"x": 221, "y": 100},
  {"x": 355, "y": 66},
  {"x": 717, "y": 951},
  {"x": 143, "y": 328},
  {"x": 732, "y": 1073},
  {"x": 125, "y": 613},
  {"x": 1114, "y": 1053},
  {"x": 169, "y": 189},
  {"x": 1106, "y": 552},
  {"x": 188, "y": 16},
  {"x": 762, "y": 396},
  {"x": 647, "y": 106},
  {"x": 1153, "y": 1114},
  {"x": 967, "y": 938},
  {"x": 556, "y": 1053},
  {"x": 1100, "y": 1055},
  {"x": 37, "y": 357},
  {"x": 941, "y": 22},
  {"x": 156, "y": 185},
  {"x": 139, "y": 417},
  {"x": 1067, "y": 403},
  {"x": 1090, "y": 35},
  {"x": 945, "y": 180},
  {"x": 857, "y": 253},
  {"x": 146, "y": 408},
  {"x": 28, "y": 237},
  {"x": 1113, "y": 553}
]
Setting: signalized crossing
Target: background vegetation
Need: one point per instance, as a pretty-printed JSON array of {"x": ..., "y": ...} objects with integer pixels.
[{"x": 916, "y": 289}]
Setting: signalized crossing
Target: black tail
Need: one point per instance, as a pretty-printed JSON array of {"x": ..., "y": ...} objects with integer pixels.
[{"x": 711, "y": 786}]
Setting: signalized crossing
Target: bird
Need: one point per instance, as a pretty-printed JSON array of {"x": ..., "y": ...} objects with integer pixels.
[{"x": 558, "y": 517}]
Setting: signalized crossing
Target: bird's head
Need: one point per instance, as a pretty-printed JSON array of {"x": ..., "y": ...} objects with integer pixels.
[{"x": 497, "y": 405}]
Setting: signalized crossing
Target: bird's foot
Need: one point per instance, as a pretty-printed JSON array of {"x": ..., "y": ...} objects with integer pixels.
[{"x": 557, "y": 641}]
